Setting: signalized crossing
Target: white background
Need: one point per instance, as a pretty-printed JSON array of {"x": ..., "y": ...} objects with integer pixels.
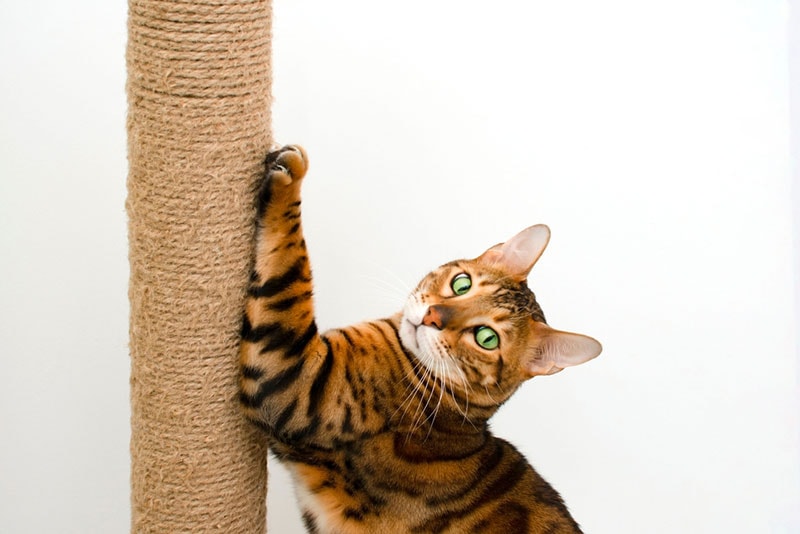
[{"x": 653, "y": 137}]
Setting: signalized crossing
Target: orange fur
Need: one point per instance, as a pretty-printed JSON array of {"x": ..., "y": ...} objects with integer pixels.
[{"x": 384, "y": 424}]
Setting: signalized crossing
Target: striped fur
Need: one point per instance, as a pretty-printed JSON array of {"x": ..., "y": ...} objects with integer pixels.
[{"x": 379, "y": 433}]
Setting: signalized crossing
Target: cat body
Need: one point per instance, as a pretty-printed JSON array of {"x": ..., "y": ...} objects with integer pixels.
[{"x": 384, "y": 424}]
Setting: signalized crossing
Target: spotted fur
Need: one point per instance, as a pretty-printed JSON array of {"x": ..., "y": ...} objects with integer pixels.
[{"x": 383, "y": 424}]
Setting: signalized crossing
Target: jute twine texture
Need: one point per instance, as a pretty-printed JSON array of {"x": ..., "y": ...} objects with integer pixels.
[{"x": 198, "y": 129}]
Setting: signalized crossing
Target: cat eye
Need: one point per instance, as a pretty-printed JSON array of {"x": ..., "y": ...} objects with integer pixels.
[
  {"x": 486, "y": 338},
  {"x": 461, "y": 284}
]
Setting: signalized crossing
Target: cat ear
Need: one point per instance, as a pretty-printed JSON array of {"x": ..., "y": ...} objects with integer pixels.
[
  {"x": 558, "y": 350},
  {"x": 518, "y": 255}
]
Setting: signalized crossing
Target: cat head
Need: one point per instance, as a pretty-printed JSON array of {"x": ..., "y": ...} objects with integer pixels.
[{"x": 475, "y": 326}]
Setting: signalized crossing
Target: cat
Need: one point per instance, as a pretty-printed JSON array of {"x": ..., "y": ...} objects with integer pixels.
[{"x": 383, "y": 425}]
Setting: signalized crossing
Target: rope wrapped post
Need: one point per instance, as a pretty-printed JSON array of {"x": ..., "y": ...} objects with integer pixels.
[{"x": 199, "y": 80}]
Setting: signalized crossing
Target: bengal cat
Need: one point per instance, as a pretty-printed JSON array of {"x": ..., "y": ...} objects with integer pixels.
[{"x": 383, "y": 425}]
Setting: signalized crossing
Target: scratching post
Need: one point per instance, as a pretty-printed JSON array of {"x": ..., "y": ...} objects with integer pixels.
[{"x": 198, "y": 130}]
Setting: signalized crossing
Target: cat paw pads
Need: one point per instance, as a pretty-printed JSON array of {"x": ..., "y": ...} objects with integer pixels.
[{"x": 287, "y": 164}]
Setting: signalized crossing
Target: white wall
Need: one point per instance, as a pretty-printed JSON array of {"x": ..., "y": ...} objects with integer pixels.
[
  {"x": 652, "y": 137},
  {"x": 64, "y": 417}
]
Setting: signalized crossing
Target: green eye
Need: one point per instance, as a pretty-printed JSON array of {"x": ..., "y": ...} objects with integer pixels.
[
  {"x": 487, "y": 338},
  {"x": 461, "y": 283}
]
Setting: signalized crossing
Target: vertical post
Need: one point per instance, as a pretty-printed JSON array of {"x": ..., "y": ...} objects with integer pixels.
[{"x": 199, "y": 78}]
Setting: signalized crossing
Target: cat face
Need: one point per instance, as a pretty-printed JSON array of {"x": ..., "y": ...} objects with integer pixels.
[{"x": 477, "y": 328}]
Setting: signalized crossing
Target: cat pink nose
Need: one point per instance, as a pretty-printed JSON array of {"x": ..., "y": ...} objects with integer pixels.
[{"x": 436, "y": 316}]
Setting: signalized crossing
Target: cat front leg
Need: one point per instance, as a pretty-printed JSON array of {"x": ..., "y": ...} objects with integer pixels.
[{"x": 281, "y": 352}]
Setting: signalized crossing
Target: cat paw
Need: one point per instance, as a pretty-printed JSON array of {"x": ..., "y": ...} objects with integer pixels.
[{"x": 286, "y": 165}]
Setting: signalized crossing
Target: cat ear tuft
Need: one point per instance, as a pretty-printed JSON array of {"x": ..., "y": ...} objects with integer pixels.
[
  {"x": 518, "y": 255},
  {"x": 558, "y": 350}
]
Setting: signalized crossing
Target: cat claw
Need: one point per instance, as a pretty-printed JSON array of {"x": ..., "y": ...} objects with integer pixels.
[
  {"x": 287, "y": 164},
  {"x": 295, "y": 148},
  {"x": 281, "y": 175}
]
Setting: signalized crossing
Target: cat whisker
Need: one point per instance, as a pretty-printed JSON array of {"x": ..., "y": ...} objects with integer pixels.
[
  {"x": 412, "y": 385},
  {"x": 455, "y": 401},
  {"x": 388, "y": 290},
  {"x": 396, "y": 284},
  {"x": 401, "y": 284},
  {"x": 442, "y": 394},
  {"x": 438, "y": 379},
  {"x": 430, "y": 418},
  {"x": 490, "y": 396},
  {"x": 426, "y": 391},
  {"x": 413, "y": 390},
  {"x": 465, "y": 386},
  {"x": 439, "y": 376}
]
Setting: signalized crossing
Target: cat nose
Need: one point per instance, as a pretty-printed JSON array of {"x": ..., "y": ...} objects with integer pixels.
[{"x": 436, "y": 316}]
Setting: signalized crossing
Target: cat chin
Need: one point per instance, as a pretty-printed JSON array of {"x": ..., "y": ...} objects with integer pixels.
[
  {"x": 408, "y": 336},
  {"x": 421, "y": 342}
]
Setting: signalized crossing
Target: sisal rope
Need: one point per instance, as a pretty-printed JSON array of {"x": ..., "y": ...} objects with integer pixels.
[{"x": 199, "y": 77}]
